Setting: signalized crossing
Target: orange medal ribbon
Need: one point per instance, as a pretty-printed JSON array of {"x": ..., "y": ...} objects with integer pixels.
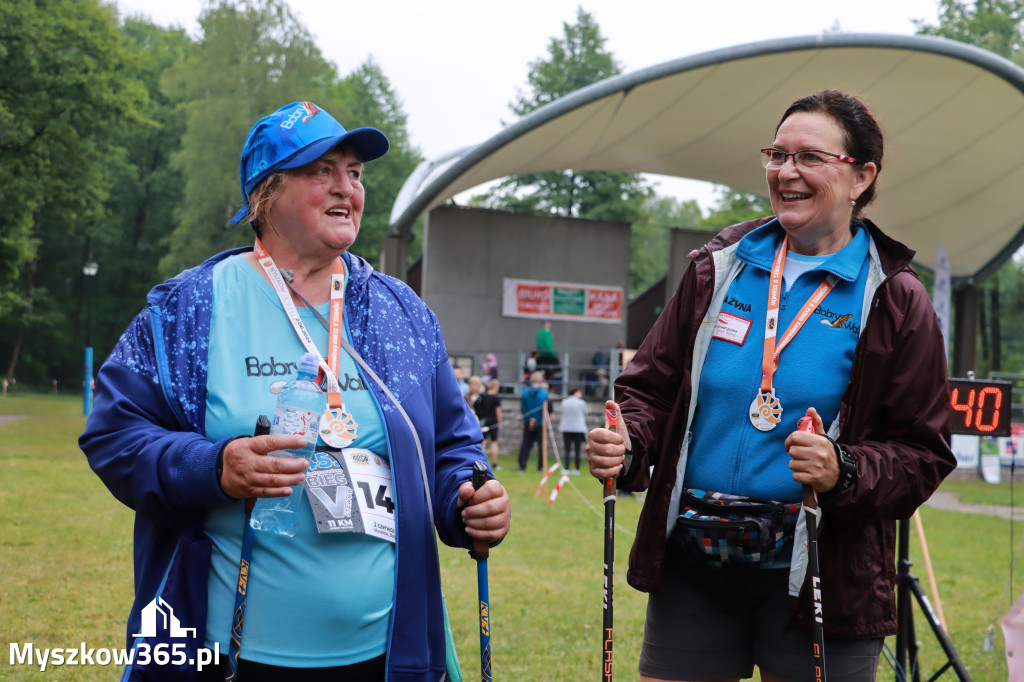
[{"x": 766, "y": 411}]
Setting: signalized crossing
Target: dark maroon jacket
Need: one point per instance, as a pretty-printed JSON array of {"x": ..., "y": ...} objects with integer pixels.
[{"x": 894, "y": 419}]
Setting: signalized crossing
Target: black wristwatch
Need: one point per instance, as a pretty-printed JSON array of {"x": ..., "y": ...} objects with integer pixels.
[{"x": 847, "y": 468}]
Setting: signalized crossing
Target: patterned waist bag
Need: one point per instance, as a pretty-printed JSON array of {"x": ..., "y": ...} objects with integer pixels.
[{"x": 732, "y": 531}]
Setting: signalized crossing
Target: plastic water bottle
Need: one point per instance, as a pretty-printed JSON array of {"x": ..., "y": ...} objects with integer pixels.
[{"x": 299, "y": 407}]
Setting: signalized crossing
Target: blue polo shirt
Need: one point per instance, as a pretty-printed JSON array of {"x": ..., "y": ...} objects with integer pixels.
[{"x": 727, "y": 453}]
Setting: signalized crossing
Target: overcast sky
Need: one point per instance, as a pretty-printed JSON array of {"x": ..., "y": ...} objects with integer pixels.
[{"x": 456, "y": 64}]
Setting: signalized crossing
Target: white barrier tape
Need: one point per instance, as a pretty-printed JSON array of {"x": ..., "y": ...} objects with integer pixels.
[{"x": 554, "y": 493}]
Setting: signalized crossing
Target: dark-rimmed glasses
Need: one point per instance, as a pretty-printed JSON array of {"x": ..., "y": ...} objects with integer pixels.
[{"x": 805, "y": 158}]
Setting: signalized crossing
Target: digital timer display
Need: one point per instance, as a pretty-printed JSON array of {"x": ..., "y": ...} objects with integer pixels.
[{"x": 981, "y": 408}]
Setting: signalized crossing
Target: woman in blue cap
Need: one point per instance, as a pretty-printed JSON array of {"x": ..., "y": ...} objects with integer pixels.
[{"x": 177, "y": 400}]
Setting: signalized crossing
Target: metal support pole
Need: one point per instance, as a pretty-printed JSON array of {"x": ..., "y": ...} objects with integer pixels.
[{"x": 89, "y": 270}]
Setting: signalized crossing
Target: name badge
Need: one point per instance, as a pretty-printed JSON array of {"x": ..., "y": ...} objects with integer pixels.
[
  {"x": 731, "y": 328},
  {"x": 350, "y": 491}
]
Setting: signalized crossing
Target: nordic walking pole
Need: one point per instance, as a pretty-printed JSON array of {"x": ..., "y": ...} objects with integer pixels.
[
  {"x": 612, "y": 417},
  {"x": 244, "y": 569},
  {"x": 480, "y": 552},
  {"x": 811, "y": 518}
]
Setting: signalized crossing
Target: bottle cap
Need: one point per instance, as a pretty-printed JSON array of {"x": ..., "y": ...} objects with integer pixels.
[{"x": 309, "y": 365}]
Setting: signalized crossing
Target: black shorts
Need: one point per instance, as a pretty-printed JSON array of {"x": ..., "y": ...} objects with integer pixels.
[
  {"x": 492, "y": 433},
  {"x": 709, "y": 623}
]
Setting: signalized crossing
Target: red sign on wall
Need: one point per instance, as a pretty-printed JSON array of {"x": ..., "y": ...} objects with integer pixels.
[
  {"x": 533, "y": 299},
  {"x": 604, "y": 304},
  {"x": 562, "y": 301}
]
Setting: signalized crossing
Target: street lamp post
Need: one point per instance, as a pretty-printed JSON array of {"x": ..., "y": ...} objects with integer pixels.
[{"x": 89, "y": 270}]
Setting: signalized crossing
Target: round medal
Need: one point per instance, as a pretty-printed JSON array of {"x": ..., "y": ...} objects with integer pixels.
[
  {"x": 765, "y": 411},
  {"x": 337, "y": 427}
]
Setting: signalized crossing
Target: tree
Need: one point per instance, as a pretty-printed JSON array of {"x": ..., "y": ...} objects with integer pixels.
[
  {"x": 577, "y": 59},
  {"x": 254, "y": 57},
  {"x": 995, "y": 25},
  {"x": 140, "y": 211},
  {"x": 735, "y": 207},
  {"x": 368, "y": 99},
  {"x": 65, "y": 82},
  {"x": 124, "y": 237},
  {"x": 650, "y": 238}
]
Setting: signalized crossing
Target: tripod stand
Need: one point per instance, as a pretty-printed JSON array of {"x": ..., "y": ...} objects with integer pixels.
[{"x": 907, "y": 587}]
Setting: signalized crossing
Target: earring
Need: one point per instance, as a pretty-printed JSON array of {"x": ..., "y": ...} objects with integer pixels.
[{"x": 853, "y": 202}]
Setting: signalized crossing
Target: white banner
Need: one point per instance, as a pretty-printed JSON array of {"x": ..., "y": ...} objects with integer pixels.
[
  {"x": 966, "y": 448},
  {"x": 561, "y": 301}
]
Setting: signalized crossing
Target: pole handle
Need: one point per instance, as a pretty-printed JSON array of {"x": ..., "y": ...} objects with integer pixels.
[
  {"x": 480, "y": 547},
  {"x": 262, "y": 429},
  {"x": 611, "y": 418},
  {"x": 810, "y": 497}
]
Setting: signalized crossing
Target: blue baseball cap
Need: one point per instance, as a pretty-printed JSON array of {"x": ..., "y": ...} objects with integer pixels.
[{"x": 294, "y": 135}]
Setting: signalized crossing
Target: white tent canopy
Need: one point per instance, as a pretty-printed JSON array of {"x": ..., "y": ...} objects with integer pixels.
[{"x": 953, "y": 116}]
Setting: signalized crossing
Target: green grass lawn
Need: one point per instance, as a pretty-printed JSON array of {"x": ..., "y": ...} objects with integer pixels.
[{"x": 65, "y": 562}]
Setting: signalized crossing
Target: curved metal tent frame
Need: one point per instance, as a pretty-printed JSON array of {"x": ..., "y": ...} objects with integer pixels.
[{"x": 953, "y": 115}]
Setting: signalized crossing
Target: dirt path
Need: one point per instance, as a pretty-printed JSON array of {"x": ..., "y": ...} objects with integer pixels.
[
  {"x": 951, "y": 501},
  {"x": 4, "y": 418}
]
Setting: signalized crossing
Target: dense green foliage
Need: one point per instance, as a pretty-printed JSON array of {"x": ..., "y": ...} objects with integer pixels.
[
  {"x": 68, "y": 91},
  {"x": 119, "y": 143}
]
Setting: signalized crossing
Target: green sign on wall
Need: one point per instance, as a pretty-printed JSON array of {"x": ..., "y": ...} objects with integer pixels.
[{"x": 569, "y": 301}]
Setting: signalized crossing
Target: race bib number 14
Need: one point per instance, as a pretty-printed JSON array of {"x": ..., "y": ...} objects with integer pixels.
[{"x": 350, "y": 491}]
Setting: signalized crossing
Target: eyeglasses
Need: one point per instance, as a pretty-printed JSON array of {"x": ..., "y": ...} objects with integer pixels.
[{"x": 805, "y": 158}]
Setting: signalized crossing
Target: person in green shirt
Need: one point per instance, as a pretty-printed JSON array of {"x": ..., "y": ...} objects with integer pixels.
[
  {"x": 548, "y": 359},
  {"x": 545, "y": 343}
]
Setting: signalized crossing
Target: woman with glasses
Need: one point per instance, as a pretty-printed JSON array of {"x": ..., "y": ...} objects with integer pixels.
[{"x": 813, "y": 312}]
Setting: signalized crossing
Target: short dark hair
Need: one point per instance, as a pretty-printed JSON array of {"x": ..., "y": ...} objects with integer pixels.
[{"x": 861, "y": 133}]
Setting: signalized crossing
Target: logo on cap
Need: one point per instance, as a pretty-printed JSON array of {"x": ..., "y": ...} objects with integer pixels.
[
  {"x": 311, "y": 108},
  {"x": 305, "y": 112}
]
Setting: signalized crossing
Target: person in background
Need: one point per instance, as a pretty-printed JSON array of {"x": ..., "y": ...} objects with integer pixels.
[
  {"x": 475, "y": 392},
  {"x": 547, "y": 358},
  {"x": 601, "y": 369},
  {"x": 811, "y": 312},
  {"x": 488, "y": 411},
  {"x": 461, "y": 381},
  {"x": 574, "y": 428},
  {"x": 531, "y": 366},
  {"x": 490, "y": 366},
  {"x": 177, "y": 400},
  {"x": 531, "y": 405}
]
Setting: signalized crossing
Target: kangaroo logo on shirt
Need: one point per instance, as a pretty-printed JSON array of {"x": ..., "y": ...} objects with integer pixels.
[{"x": 838, "y": 322}]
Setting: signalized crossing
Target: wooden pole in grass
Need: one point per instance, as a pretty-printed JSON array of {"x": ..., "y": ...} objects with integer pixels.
[
  {"x": 544, "y": 436},
  {"x": 928, "y": 568}
]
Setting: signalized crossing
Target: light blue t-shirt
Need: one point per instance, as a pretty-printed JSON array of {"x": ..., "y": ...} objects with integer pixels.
[
  {"x": 314, "y": 600},
  {"x": 727, "y": 453}
]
